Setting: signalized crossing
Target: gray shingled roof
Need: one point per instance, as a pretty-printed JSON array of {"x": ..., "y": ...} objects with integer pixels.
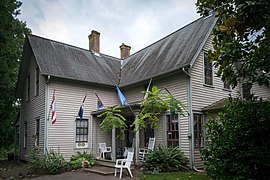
[
  {"x": 216, "y": 106},
  {"x": 69, "y": 62},
  {"x": 169, "y": 54},
  {"x": 61, "y": 60},
  {"x": 175, "y": 51}
]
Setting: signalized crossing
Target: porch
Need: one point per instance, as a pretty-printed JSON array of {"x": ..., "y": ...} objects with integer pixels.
[{"x": 132, "y": 141}]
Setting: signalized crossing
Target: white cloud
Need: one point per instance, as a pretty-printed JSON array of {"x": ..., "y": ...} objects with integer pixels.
[{"x": 136, "y": 23}]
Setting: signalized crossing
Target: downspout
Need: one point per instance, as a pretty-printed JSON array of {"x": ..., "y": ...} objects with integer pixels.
[
  {"x": 46, "y": 131},
  {"x": 190, "y": 120}
]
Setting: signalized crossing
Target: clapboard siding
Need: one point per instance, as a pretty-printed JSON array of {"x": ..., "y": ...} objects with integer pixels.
[
  {"x": 177, "y": 85},
  {"x": 263, "y": 91},
  {"x": 31, "y": 110},
  {"x": 134, "y": 94},
  {"x": 69, "y": 97},
  {"x": 203, "y": 95}
]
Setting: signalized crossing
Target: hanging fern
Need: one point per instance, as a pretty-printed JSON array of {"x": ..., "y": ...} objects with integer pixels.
[{"x": 113, "y": 119}]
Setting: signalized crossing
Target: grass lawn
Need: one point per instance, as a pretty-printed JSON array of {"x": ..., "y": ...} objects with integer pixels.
[{"x": 174, "y": 176}]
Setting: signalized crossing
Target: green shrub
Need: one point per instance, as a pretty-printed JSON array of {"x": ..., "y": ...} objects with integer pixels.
[
  {"x": 239, "y": 141},
  {"x": 75, "y": 160},
  {"x": 54, "y": 162},
  {"x": 50, "y": 163},
  {"x": 35, "y": 158},
  {"x": 165, "y": 160}
]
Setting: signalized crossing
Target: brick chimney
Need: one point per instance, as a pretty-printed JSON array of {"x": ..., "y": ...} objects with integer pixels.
[
  {"x": 124, "y": 51},
  {"x": 94, "y": 41}
]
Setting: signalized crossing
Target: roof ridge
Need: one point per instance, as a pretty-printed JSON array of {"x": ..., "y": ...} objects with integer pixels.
[{"x": 41, "y": 37}]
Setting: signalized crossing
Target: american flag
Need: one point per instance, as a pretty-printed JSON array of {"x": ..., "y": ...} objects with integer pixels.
[{"x": 53, "y": 108}]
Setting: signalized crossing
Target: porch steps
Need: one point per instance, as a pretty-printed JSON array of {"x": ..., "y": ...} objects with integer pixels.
[
  {"x": 102, "y": 170},
  {"x": 104, "y": 167},
  {"x": 105, "y": 163}
]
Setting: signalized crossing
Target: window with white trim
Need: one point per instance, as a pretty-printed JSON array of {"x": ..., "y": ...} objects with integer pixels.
[
  {"x": 28, "y": 88},
  {"x": 246, "y": 90},
  {"x": 37, "y": 82},
  {"x": 208, "y": 71},
  {"x": 37, "y": 131},
  {"x": 81, "y": 131},
  {"x": 172, "y": 130},
  {"x": 25, "y": 135},
  {"x": 226, "y": 85}
]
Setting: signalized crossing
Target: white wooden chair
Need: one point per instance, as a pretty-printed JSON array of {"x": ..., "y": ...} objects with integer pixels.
[
  {"x": 128, "y": 149},
  {"x": 143, "y": 151},
  {"x": 124, "y": 163},
  {"x": 103, "y": 149}
]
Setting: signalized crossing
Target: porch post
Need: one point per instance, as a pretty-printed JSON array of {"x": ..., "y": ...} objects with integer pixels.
[
  {"x": 113, "y": 145},
  {"x": 137, "y": 141}
]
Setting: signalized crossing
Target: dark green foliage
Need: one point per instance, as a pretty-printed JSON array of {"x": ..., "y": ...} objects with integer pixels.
[
  {"x": 241, "y": 39},
  {"x": 11, "y": 44},
  {"x": 75, "y": 160},
  {"x": 152, "y": 106},
  {"x": 239, "y": 142},
  {"x": 35, "y": 158},
  {"x": 165, "y": 160},
  {"x": 113, "y": 119},
  {"x": 51, "y": 163}
]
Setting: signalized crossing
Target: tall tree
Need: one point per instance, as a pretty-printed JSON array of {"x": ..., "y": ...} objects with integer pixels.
[
  {"x": 12, "y": 32},
  {"x": 241, "y": 39}
]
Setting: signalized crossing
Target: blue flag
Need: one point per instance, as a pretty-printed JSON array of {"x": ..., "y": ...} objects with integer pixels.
[
  {"x": 80, "y": 113},
  {"x": 99, "y": 102},
  {"x": 121, "y": 97}
]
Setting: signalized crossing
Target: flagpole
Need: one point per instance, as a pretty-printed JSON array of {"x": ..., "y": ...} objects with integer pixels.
[
  {"x": 47, "y": 125},
  {"x": 97, "y": 96},
  {"x": 50, "y": 108},
  {"x": 148, "y": 87},
  {"x": 173, "y": 97}
]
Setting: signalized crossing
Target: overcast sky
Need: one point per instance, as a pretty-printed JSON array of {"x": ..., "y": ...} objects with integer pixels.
[{"x": 137, "y": 23}]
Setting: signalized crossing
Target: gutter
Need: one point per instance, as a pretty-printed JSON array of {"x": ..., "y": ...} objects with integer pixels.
[
  {"x": 190, "y": 120},
  {"x": 47, "y": 111}
]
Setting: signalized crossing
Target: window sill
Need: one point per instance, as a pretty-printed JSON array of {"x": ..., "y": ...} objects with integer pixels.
[
  {"x": 210, "y": 86},
  {"x": 80, "y": 148}
]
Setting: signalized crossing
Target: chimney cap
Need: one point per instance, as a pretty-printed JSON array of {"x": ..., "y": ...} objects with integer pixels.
[
  {"x": 94, "y": 32},
  {"x": 124, "y": 46}
]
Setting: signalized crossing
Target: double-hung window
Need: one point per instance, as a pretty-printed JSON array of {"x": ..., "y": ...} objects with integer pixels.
[
  {"x": 37, "y": 81},
  {"x": 25, "y": 135},
  {"x": 81, "y": 132},
  {"x": 172, "y": 130},
  {"x": 208, "y": 71},
  {"x": 246, "y": 90},
  {"x": 28, "y": 88},
  {"x": 37, "y": 131},
  {"x": 226, "y": 85}
]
